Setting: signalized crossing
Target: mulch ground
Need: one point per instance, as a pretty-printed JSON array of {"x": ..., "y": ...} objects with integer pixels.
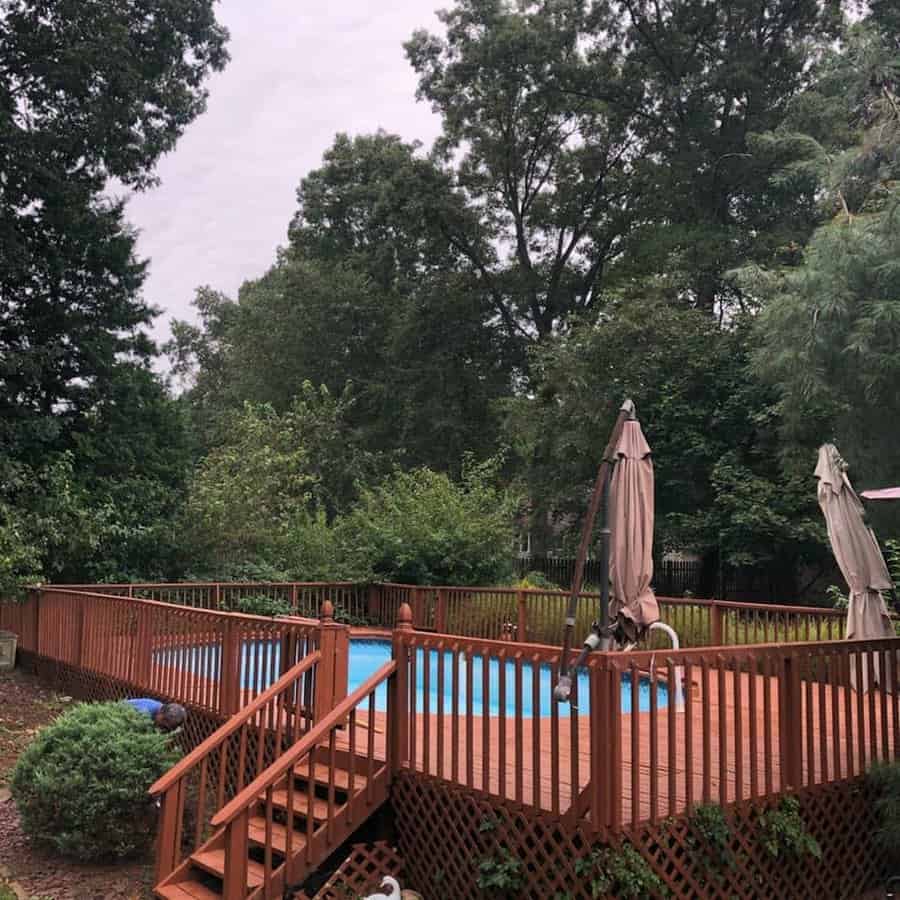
[{"x": 30, "y": 873}]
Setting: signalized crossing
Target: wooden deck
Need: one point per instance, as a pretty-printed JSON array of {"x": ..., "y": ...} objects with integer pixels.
[{"x": 663, "y": 766}]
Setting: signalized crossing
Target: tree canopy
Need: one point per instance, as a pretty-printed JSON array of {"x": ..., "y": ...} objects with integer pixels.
[{"x": 692, "y": 204}]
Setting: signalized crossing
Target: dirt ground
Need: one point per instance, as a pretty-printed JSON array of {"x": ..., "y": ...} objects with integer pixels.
[{"x": 29, "y": 873}]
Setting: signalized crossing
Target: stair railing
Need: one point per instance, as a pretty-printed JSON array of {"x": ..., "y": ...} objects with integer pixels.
[
  {"x": 332, "y": 741},
  {"x": 235, "y": 754}
]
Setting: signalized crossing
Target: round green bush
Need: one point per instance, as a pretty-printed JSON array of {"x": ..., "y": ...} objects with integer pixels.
[{"x": 81, "y": 785}]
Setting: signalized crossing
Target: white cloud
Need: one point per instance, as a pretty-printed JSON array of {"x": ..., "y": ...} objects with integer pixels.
[{"x": 300, "y": 72}]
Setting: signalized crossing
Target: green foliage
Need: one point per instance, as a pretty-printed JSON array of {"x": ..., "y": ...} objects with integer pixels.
[
  {"x": 892, "y": 558},
  {"x": 836, "y": 597},
  {"x": 884, "y": 780},
  {"x": 711, "y": 836},
  {"x": 501, "y": 874},
  {"x": 720, "y": 486},
  {"x": 277, "y": 470},
  {"x": 421, "y": 527},
  {"x": 620, "y": 872},
  {"x": 830, "y": 324},
  {"x": 90, "y": 92},
  {"x": 783, "y": 832},
  {"x": 81, "y": 785},
  {"x": 536, "y": 580},
  {"x": 261, "y": 605},
  {"x": 366, "y": 294}
]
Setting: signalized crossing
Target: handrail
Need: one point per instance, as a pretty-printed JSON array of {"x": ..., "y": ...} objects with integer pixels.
[
  {"x": 232, "y": 725},
  {"x": 312, "y": 738}
]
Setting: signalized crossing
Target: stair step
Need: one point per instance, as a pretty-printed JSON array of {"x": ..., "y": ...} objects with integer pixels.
[
  {"x": 301, "y": 803},
  {"x": 187, "y": 890},
  {"x": 256, "y": 832},
  {"x": 341, "y": 776},
  {"x": 213, "y": 861}
]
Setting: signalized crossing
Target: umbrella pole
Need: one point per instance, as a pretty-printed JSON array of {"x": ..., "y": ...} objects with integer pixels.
[
  {"x": 599, "y": 497},
  {"x": 604, "y": 568}
]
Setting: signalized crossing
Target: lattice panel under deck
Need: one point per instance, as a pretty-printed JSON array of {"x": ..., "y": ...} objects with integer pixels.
[
  {"x": 444, "y": 831},
  {"x": 360, "y": 874},
  {"x": 84, "y": 685}
]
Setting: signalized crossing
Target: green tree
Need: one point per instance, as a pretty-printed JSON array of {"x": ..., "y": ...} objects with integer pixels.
[
  {"x": 249, "y": 493},
  {"x": 829, "y": 332},
  {"x": 90, "y": 91},
  {"x": 721, "y": 485},
  {"x": 368, "y": 293},
  {"x": 715, "y": 78},
  {"x": 547, "y": 168}
]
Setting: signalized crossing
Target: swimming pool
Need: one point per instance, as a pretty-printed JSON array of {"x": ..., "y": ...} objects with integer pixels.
[
  {"x": 261, "y": 658},
  {"x": 367, "y": 656}
]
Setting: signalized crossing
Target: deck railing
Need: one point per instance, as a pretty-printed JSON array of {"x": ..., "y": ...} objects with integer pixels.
[
  {"x": 347, "y": 735},
  {"x": 305, "y": 598},
  {"x": 215, "y": 662},
  {"x": 234, "y": 755},
  {"x": 497, "y": 613},
  {"x": 647, "y": 734},
  {"x": 537, "y": 616}
]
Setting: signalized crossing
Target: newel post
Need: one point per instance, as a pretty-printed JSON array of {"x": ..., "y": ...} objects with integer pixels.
[
  {"x": 398, "y": 694},
  {"x": 522, "y": 616},
  {"x": 715, "y": 624},
  {"x": 790, "y": 724},
  {"x": 230, "y": 697},
  {"x": 333, "y": 671},
  {"x": 234, "y": 882},
  {"x": 168, "y": 838},
  {"x": 142, "y": 649},
  {"x": 374, "y": 604}
]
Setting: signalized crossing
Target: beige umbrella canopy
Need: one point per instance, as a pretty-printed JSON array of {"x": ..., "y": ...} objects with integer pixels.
[
  {"x": 855, "y": 549},
  {"x": 634, "y": 607}
]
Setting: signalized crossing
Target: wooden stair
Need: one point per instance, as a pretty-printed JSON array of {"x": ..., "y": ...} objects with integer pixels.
[{"x": 201, "y": 875}]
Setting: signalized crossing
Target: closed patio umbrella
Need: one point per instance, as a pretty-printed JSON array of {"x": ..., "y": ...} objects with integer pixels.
[
  {"x": 634, "y": 607},
  {"x": 855, "y": 549}
]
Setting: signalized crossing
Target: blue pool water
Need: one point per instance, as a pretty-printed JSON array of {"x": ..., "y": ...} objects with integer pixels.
[{"x": 260, "y": 663}]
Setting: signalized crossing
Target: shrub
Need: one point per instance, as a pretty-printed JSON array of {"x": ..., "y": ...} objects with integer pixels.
[
  {"x": 262, "y": 605},
  {"x": 711, "y": 836},
  {"x": 884, "y": 778},
  {"x": 81, "y": 785},
  {"x": 783, "y": 832},
  {"x": 421, "y": 527},
  {"x": 537, "y": 580},
  {"x": 620, "y": 872},
  {"x": 501, "y": 875}
]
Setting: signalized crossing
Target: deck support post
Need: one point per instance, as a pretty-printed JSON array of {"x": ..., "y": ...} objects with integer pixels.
[
  {"x": 333, "y": 672},
  {"x": 234, "y": 885},
  {"x": 715, "y": 624},
  {"x": 522, "y": 616},
  {"x": 168, "y": 838},
  {"x": 231, "y": 669},
  {"x": 790, "y": 731},
  {"x": 398, "y": 693}
]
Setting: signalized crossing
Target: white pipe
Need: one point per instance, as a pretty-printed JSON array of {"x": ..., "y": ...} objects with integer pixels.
[{"x": 679, "y": 670}]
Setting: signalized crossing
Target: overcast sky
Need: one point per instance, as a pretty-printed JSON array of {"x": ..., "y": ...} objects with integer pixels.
[{"x": 300, "y": 71}]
